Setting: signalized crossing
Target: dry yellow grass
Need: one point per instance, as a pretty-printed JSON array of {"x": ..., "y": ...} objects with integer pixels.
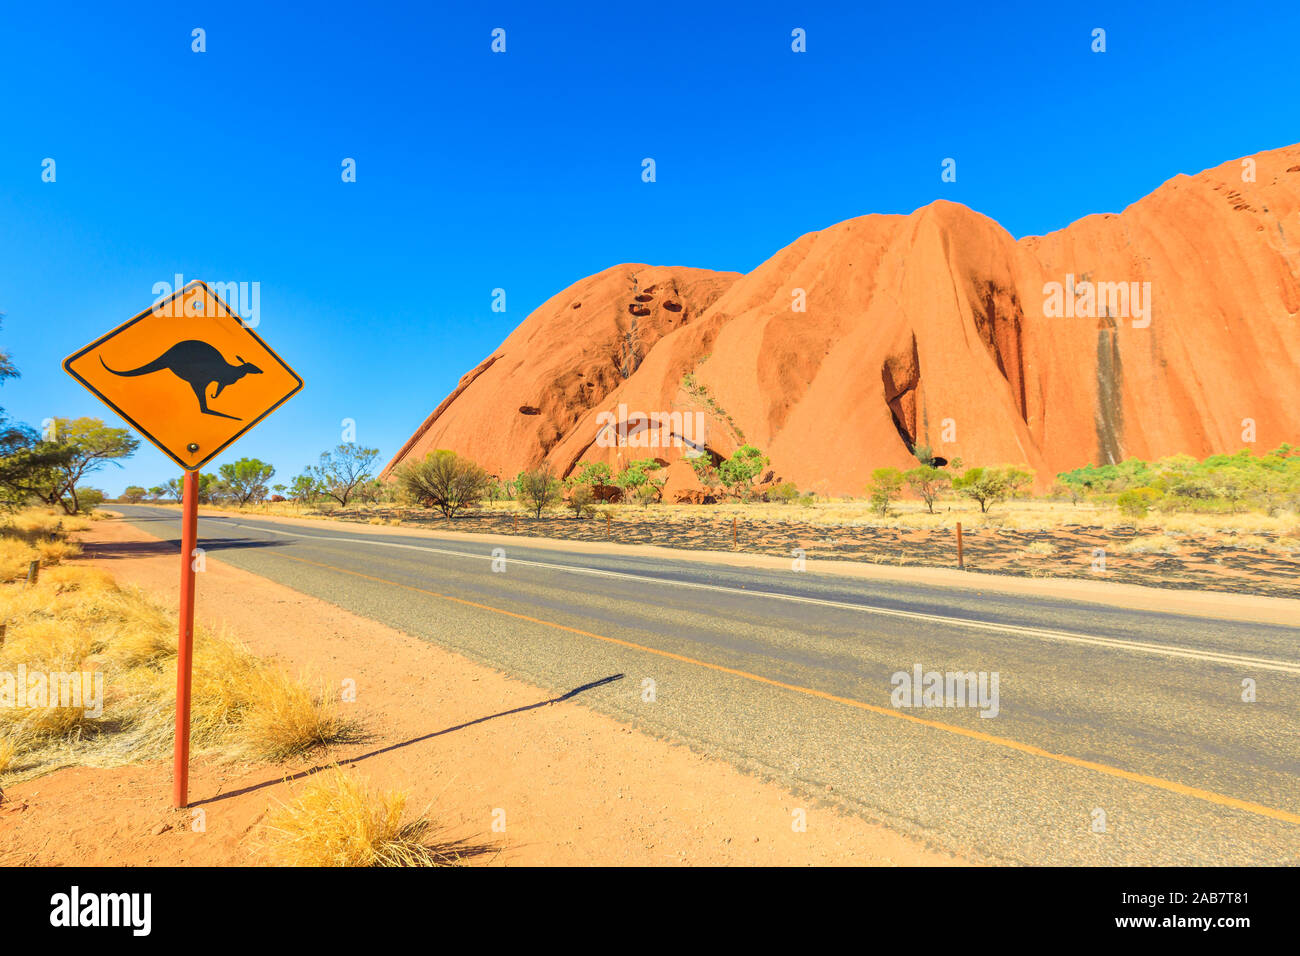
[
  {"x": 36, "y": 534},
  {"x": 54, "y": 552},
  {"x": 1038, "y": 549},
  {"x": 79, "y": 620},
  {"x": 1150, "y": 544},
  {"x": 15, "y": 557},
  {"x": 338, "y": 819}
]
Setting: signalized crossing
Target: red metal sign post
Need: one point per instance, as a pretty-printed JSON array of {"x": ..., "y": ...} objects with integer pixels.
[{"x": 185, "y": 652}]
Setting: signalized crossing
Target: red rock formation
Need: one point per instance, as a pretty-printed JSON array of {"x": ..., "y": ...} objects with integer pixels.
[{"x": 934, "y": 329}]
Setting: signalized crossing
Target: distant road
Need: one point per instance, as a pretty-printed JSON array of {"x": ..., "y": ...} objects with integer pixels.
[{"x": 1128, "y": 713}]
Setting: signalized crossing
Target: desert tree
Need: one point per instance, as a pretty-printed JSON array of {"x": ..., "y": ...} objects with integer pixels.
[
  {"x": 987, "y": 486},
  {"x": 304, "y": 488},
  {"x": 29, "y": 465},
  {"x": 739, "y": 471},
  {"x": 596, "y": 476},
  {"x": 537, "y": 489},
  {"x": 928, "y": 483},
  {"x": 246, "y": 479},
  {"x": 87, "y": 445},
  {"x": 884, "y": 487},
  {"x": 340, "y": 471},
  {"x": 580, "y": 500},
  {"x": 443, "y": 480}
]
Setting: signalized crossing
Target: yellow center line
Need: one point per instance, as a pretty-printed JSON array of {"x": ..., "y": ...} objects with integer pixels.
[{"x": 1172, "y": 786}]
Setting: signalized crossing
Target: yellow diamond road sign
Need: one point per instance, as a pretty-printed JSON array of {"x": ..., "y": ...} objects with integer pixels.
[{"x": 187, "y": 374}]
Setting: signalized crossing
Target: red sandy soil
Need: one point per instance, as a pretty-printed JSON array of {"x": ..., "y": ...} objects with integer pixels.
[
  {"x": 927, "y": 329},
  {"x": 577, "y": 787}
]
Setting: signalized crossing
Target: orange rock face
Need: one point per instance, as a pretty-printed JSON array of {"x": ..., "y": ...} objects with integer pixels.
[{"x": 1173, "y": 327}]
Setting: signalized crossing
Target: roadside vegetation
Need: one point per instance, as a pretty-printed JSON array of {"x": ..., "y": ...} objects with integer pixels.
[
  {"x": 77, "y": 621},
  {"x": 1224, "y": 494},
  {"x": 339, "y": 819}
]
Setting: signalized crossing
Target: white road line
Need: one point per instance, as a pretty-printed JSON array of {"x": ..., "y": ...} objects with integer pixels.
[{"x": 1047, "y": 634}]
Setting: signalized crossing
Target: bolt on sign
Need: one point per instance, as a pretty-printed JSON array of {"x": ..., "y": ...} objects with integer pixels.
[{"x": 187, "y": 374}]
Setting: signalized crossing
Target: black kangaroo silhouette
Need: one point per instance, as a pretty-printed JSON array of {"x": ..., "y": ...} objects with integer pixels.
[{"x": 200, "y": 365}]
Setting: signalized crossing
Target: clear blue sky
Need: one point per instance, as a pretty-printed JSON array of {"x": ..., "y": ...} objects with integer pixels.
[{"x": 523, "y": 170}]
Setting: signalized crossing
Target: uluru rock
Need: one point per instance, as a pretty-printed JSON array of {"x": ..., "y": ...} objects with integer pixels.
[{"x": 1169, "y": 328}]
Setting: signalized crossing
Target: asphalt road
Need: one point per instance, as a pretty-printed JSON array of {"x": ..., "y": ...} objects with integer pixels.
[{"x": 1132, "y": 714}]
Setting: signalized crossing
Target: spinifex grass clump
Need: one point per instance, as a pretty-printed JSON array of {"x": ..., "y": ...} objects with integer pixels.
[
  {"x": 338, "y": 819},
  {"x": 36, "y": 534},
  {"x": 78, "y": 623}
]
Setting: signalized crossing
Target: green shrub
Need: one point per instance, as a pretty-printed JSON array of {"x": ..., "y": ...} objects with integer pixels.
[
  {"x": 1136, "y": 502},
  {"x": 445, "y": 481},
  {"x": 785, "y": 492},
  {"x": 538, "y": 489},
  {"x": 884, "y": 487}
]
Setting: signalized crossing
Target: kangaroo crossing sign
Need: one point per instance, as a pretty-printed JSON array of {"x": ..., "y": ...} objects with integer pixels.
[{"x": 187, "y": 374}]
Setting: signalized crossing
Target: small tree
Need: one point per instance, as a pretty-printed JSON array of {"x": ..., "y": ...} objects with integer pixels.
[
  {"x": 1019, "y": 480},
  {"x": 986, "y": 486},
  {"x": 884, "y": 487},
  {"x": 157, "y": 493},
  {"x": 304, "y": 488},
  {"x": 1069, "y": 490},
  {"x": 88, "y": 499},
  {"x": 1136, "y": 502},
  {"x": 246, "y": 479},
  {"x": 134, "y": 493},
  {"x": 340, "y": 471},
  {"x": 638, "y": 475},
  {"x": 210, "y": 489},
  {"x": 538, "y": 489},
  {"x": 443, "y": 480},
  {"x": 580, "y": 500},
  {"x": 982, "y": 485},
  {"x": 785, "y": 492},
  {"x": 79, "y": 447},
  {"x": 706, "y": 472},
  {"x": 371, "y": 491},
  {"x": 739, "y": 471},
  {"x": 29, "y": 465},
  {"x": 927, "y": 482},
  {"x": 593, "y": 474}
]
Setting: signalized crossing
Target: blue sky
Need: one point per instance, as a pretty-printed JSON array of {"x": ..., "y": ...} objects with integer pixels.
[{"x": 522, "y": 170}]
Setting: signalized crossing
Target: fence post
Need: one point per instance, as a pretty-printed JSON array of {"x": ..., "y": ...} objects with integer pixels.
[
  {"x": 961, "y": 557},
  {"x": 733, "y": 532},
  {"x": 33, "y": 572}
]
